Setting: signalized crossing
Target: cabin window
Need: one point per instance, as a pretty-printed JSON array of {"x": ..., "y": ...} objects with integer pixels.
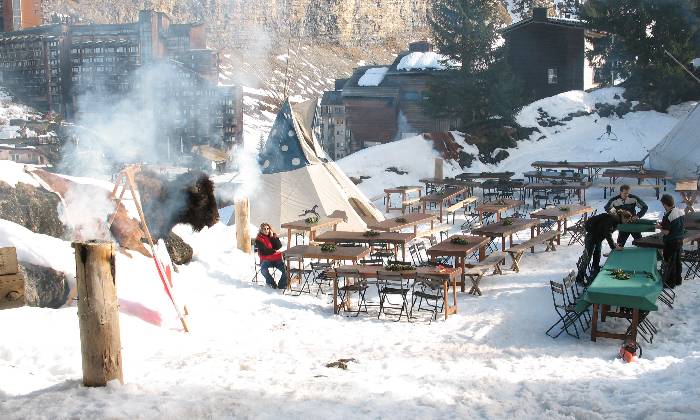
[{"x": 552, "y": 77}]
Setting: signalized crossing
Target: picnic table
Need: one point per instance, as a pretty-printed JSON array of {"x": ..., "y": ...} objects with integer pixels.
[
  {"x": 442, "y": 199},
  {"x": 394, "y": 238},
  {"x": 460, "y": 252},
  {"x": 485, "y": 175},
  {"x": 656, "y": 240},
  {"x": 540, "y": 175},
  {"x": 561, "y": 214},
  {"x": 593, "y": 168},
  {"x": 579, "y": 187},
  {"x": 499, "y": 230},
  {"x": 341, "y": 253},
  {"x": 430, "y": 183},
  {"x": 404, "y": 192},
  {"x": 638, "y": 226},
  {"x": 638, "y": 293},
  {"x": 408, "y": 220},
  {"x": 660, "y": 177},
  {"x": 498, "y": 207},
  {"x": 688, "y": 189},
  {"x": 447, "y": 275},
  {"x": 312, "y": 228},
  {"x": 503, "y": 188}
]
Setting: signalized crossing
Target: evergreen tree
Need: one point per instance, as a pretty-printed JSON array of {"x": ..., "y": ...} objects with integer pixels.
[
  {"x": 641, "y": 31},
  {"x": 523, "y": 8},
  {"x": 481, "y": 85}
]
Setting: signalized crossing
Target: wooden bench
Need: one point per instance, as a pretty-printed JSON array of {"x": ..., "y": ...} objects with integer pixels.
[
  {"x": 517, "y": 251},
  {"x": 475, "y": 271},
  {"x": 454, "y": 208}
]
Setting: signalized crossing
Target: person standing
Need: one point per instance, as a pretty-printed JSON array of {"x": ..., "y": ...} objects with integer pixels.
[
  {"x": 673, "y": 229},
  {"x": 268, "y": 245},
  {"x": 599, "y": 228},
  {"x": 628, "y": 202}
]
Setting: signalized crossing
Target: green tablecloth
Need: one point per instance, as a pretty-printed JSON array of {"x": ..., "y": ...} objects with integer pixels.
[
  {"x": 639, "y": 292},
  {"x": 641, "y": 225}
]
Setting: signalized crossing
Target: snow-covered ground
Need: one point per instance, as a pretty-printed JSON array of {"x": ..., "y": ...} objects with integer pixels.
[{"x": 255, "y": 353}]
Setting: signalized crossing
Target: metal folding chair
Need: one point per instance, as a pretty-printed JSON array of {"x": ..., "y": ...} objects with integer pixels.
[
  {"x": 299, "y": 270},
  {"x": 352, "y": 283},
  {"x": 691, "y": 261},
  {"x": 566, "y": 312},
  {"x": 429, "y": 291},
  {"x": 392, "y": 284}
]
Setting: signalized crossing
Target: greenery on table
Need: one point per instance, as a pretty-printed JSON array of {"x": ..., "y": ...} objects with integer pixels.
[
  {"x": 311, "y": 220},
  {"x": 328, "y": 248},
  {"x": 399, "y": 267},
  {"x": 500, "y": 202},
  {"x": 564, "y": 208},
  {"x": 459, "y": 241},
  {"x": 400, "y": 220},
  {"x": 620, "y": 274},
  {"x": 371, "y": 233},
  {"x": 507, "y": 221}
]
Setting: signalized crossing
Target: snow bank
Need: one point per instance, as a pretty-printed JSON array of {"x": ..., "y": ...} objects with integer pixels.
[
  {"x": 373, "y": 76},
  {"x": 12, "y": 173},
  {"x": 423, "y": 61}
]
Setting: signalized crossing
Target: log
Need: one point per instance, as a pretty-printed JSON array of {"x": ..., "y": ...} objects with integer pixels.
[
  {"x": 242, "y": 221},
  {"x": 439, "y": 168},
  {"x": 98, "y": 312}
]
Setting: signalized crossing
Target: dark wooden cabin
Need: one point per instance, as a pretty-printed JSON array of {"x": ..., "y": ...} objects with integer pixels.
[{"x": 546, "y": 53}]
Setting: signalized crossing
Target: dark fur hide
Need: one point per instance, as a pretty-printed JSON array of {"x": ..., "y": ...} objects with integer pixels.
[{"x": 189, "y": 199}]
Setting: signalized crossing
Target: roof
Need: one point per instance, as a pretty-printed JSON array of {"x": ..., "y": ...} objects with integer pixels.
[
  {"x": 552, "y": 21},
  {"x": 332, "y": 98}
]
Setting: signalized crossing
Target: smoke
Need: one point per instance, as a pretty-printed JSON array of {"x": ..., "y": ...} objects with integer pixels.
[{"x": 86, "y": 211}]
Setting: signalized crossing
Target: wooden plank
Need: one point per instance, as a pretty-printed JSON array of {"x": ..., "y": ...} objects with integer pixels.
[
  {"x": 412, "y": 219},
  {"x": 555, "y": 213},
  {"x": 8, "y": 261}
]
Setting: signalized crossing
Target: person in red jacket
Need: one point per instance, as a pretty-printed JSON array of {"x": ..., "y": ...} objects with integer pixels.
[{"x": 268, "y": 244}]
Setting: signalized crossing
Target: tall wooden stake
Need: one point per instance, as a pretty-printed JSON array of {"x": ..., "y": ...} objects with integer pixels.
[
  {"x": 242, "y": 222},
  {"x": 438, "y": 168},
  {"x": 98, "y": 312}
]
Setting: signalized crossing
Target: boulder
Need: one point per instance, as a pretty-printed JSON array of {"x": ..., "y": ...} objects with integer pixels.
[
  {"x": 32, "y": 207},
  {"x": 44, "y": 287},
  {"x": 180, "y": 252}
]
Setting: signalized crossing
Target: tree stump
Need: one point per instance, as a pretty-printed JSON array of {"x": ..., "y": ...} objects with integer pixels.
[
  {"x": 98, "y": 312},
  {"x": 242, "y": 221},
  {"x": 439, "y": 168}
]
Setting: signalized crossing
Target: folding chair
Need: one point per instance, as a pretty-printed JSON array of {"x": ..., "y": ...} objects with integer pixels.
[
  {"x": 577, "y": 232},
  {"x": 571, "y": 294},
  {"x": 416, "y": 257},
  {"x": 301, "y": 272},
  {"x": 691, "y": 261},
  {"x": 422, "y": 250},
  {"x": 319, "y": 275},
  {"x": 256, "y": 261},
  {"x": 392, "y": 284},
  {"x": 352, "y": 283},
  {"x": 566, "y": 312},
  {"x": 430, "y": 291}
]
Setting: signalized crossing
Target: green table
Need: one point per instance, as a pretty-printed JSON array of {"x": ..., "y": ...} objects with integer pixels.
[
  {"x": 641, "y": 225},
  {"x": 638, "y": 293}
]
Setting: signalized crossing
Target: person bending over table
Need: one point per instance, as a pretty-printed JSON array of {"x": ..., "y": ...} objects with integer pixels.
[
  {"x": 599, "y": 228},
  {"x": 268, "y": 244},
  {"x": 672, "y": 227},
  {"x": 628, "y": 202}
]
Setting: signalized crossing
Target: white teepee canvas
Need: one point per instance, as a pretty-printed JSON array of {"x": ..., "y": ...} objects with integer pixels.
[
  {"x": 296, "y": 175},
  {"x": 679, "y": 152}
]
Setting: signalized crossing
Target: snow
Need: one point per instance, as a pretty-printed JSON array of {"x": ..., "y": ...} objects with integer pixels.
[
  {"x": 696, "y": 62},
  {"x": 422, "y": 61},
  {"x": 373, "y": 76},
  {"x": 12, "y": 173},
  {"x": 255, "y": 353}
]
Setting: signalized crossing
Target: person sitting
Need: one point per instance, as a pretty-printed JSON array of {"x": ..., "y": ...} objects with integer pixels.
[
  {"x": 628, "y": 202},
  {"x": 673, "y": 228},
  {"x": 268, "y": 244},
  {"x": 599, "y": 228}
]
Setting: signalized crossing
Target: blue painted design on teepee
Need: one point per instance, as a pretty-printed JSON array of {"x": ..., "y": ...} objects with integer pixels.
[{"x": 283, "y": 150}]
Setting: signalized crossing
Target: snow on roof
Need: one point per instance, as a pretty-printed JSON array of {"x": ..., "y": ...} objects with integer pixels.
[
  {"x": 422, "y": 61},
  {"x": 12, "y": 173},
  {"x": 373, "y": 76}
]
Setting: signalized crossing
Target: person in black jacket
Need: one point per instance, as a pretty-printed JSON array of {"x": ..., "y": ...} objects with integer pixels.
[
  {"x": 628, "y": 202},
  {"x": 599, "y": 228},
  {"x": 268, "y": 244},
  {"x": 673, "y": 229}
]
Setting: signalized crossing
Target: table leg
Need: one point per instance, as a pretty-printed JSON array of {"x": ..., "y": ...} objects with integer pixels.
[
  {"x": 403, "y": 251},
  {"x": 635, "y": 324},
  {"x": 503, "y": 243},
  {"x": 454, "y": 294},
  {"x": 603, "y": 312},
  {"x": 559, "y": 230},
  {"x": 335, "y": 294},
  {"x": 482, "y": 252},
  {"x": 594, "y": 322},
  {"x": 510, "y": 239},
  {"x": 498, "y": 216},
  {"x": 441, "y": 212},
  {"x": 464, "y": 276},
  {"x": 289, "y": 237},
  {"x": 388, "y": 201},
  {"x": 444, "y": 297}
]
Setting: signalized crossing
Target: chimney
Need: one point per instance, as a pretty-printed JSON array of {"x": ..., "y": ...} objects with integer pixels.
[
  {"x": 539, "y": 14},
  {"x": 420, "y": 46}
]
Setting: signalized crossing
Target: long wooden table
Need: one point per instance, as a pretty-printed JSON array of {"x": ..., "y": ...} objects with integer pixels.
[
  {"x": 659, "y": 177},
  {"x": 498, "y": 207},
  {"x": 410, "y": 220},
  {"x": 447, "y": 275},
  {"x": 656, "y": 240},
  {"x": 441, "y": 199},
  {"x": 395, "y": 238},
  {"x": 561, "y": 216},
  {"x": 450, "y": 182},
  {"x": 460, "y": 252},
  {"x": 499, "y": 230},
  {"x": 312, "y": 228},
  {"x": 638, "y": 293},
  {"x": 485, "y": 175},
  {"x": 341, "y": 253},
  {"x": 579, "y": 187},
  {"x": 403, "y": 191},
  {"x": 593, "y": 168},
  {"x": 537, "y": 176}
]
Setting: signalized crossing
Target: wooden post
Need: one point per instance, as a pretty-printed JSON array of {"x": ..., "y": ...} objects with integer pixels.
[
  {"x": 439, "y": 168},
  {"x": 98, "y": 312},
  {"x": 242, "y": 222}
]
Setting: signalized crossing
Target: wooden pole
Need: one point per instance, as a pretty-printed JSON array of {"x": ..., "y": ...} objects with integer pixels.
[
  {"x": 242, "y": 222},
  {"x": 438, "y": 168},
  {"x": 98, "y": 312}
]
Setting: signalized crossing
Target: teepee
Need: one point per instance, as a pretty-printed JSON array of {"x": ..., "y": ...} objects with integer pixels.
[
  {"x": 296, "y": 175},
  {"x": 679, "y": 152}
]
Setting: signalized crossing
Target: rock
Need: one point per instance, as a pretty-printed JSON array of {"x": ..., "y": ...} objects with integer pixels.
[
  {"x": 605, "y": 110},
  {"x": 34, "y": 208},
  {"x": 623, "y": 108},
  {"x": 642, "y": 106},
  {"x": 180, "y": 252},
  {"x": 44, "y": 287}
]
